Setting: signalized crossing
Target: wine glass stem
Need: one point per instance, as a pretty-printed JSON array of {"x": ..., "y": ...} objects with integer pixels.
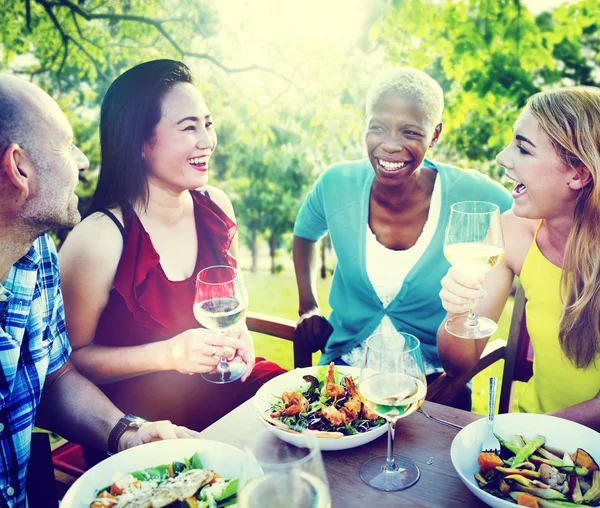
[
  {"x": 471, "y": 317},
  {"x": 390, "y": 463},
  {"x": 223, "y": 366}
]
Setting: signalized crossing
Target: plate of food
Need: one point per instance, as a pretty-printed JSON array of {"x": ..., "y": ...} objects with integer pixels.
[
  {"x": 545, "y": 462},
  {"x": 177, "y": 472},
  {"x": 324, "y": 400}
]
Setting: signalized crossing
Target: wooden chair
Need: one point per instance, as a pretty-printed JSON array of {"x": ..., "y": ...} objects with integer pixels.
[
  {"x": 67, "y": 457},
  {"x": 516, "y": 353}
]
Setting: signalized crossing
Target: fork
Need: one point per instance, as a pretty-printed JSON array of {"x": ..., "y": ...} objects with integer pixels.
[
  {"x": 490, "y": 441},
  {"x": 438, "y": 420}
]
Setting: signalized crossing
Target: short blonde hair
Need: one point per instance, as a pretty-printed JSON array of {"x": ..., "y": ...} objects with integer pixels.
[{"x": 411, "y": 82}]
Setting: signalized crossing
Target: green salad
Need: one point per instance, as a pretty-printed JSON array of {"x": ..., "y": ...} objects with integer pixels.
[
  {"x": 177, "y": 485},
  {"x": 328, "y": 403}
]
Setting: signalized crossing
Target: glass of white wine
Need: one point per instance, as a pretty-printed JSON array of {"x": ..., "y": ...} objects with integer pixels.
[
  {"x": 474, "y": 244},
  {"x": 220, "y": 303},
  {"x": 392, "y": 384},
  {"x": 279, "y": 475}
]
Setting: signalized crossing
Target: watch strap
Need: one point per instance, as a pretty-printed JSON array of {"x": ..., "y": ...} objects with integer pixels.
[{"x": 124, "y": 423}]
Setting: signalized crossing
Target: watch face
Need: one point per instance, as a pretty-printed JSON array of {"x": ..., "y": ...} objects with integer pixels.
[{"x": 135, "y": 421}]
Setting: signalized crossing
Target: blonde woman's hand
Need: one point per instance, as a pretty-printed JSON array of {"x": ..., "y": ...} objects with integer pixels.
[
  {"x": 198, "y": 350},
  {"x": 460, "y": 290},
  {"x": 245, "y": 355}
]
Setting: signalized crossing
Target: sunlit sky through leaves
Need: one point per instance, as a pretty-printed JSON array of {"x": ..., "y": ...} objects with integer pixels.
[
  {"x": 537, "y": 6},
  {"x": 308, "y": 42},
  {"x": 305, "y": 40},
  {"x": 311, "y": 25}
]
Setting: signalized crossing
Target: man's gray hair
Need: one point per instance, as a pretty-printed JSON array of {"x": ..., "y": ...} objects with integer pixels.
[
  {"x": 411, "y": 82},
  {"x": 11, "y": 121},
  {"x": 16, "y": 124}
]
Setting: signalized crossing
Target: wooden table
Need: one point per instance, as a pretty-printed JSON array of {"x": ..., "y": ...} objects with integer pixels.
[{"x": 417, "y": 438}]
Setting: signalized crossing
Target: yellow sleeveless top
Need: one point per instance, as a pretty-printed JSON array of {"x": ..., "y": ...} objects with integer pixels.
[{"x": 556, "y": 382}]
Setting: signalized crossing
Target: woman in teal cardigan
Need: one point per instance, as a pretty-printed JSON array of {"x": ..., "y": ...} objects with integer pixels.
[{"x": 386, "y": 216}]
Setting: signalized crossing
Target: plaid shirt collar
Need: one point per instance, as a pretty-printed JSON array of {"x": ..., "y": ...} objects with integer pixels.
[{"x": 29, "y": 262}]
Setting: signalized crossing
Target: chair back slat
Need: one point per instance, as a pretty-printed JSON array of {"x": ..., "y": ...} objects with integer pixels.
[
  {"x": 283, "y": 329},
  {"x": 518, "y": 364},
  {"x": 524, "y": 363}
]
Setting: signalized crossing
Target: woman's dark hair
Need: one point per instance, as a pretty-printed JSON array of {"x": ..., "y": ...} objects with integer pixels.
[{"x": 130, "y": 111}]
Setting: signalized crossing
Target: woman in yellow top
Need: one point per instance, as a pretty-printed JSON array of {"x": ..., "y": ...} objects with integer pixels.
[{"x": 552, "y": 240}]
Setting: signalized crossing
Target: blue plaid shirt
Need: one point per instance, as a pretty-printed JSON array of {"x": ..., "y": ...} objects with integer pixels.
[{"x": 33, "y": 344}]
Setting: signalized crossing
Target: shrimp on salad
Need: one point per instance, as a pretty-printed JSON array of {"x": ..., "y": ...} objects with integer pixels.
[
  {"x": 295, "y": 403},
  {"x": 330, "y": 389}
]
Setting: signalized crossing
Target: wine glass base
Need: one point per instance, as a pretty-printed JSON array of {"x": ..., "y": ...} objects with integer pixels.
[
  {"x": 459, "y": 327},
  {"x": 236, "y": 371},
  {"x": 373, "y": 473}
]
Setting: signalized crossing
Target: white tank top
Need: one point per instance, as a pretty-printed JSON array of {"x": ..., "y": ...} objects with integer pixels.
[{"x": 388, "y": 268}]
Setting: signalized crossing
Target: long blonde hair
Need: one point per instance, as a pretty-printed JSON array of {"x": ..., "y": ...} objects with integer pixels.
[{"x": 571, "y": 119}]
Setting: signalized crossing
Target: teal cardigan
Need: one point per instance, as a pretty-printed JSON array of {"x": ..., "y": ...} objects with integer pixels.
[{"x": 339, "y": 204}]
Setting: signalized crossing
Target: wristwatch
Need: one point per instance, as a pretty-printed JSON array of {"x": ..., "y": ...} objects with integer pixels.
[{"x": 125, "y": 423}]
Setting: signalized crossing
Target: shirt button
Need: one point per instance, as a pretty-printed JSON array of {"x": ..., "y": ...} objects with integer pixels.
[
  {"x": 3, "y": 297},
  {"x": 10, "y": 491}
]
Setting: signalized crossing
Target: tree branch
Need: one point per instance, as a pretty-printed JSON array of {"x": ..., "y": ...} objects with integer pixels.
[
  {"x": 65, "y": 41},
  {"x": 64, "y": 58},
  {"x": 28, "y": 15},
  {"x": 93, "y": 60},
  {"x": 81, "y": 36},
  {"x": 158, "y": 25},
  {"x": 134, "y": 46}
]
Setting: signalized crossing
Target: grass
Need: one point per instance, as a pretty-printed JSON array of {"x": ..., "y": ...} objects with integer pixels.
[{"x": 276, "y": 295}]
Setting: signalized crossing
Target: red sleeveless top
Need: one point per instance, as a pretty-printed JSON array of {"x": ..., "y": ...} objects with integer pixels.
[{"x": 145, "y": 306}]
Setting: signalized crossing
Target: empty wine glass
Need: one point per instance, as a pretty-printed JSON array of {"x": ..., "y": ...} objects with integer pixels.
[
  {"x": 280, "y": 475},
  {"x": 393, "y": 385},
  {"x": 474, "y": 244},
  {"x": 220, "y": 303}
]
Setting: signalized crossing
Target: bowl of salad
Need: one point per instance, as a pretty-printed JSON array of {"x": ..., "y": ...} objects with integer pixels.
[
  {"x": 176, "y": 472},
  {"x": 324, "y": 400},
  {"x": 544, "y": 462}
]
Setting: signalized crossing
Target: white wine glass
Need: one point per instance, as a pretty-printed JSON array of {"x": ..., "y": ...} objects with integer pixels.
[
  {"x": 474, "y": 244},
  {"x": 280, "y": 475},
  {"x": 220, "y": 303},
  {"x": 392, "y": 384}
]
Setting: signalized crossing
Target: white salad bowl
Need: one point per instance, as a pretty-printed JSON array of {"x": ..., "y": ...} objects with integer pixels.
[
  {"x": 559, "y": 433},
  {"x": 292, "y": 381},
  {"x": 224, "y": 459}
]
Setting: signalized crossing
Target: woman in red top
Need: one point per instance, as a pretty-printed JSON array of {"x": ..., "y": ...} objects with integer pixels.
[{"x": 128, "y": 270}]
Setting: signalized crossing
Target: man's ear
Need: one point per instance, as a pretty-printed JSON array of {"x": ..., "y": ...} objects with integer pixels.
[
  {"x": 436, "y": 135},
  {"x": 16, "y": 170},
  {"x": 581, "y": 177}
]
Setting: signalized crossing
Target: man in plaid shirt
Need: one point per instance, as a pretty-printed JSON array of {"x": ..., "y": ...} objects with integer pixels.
[{"x": 39, "y": 168}]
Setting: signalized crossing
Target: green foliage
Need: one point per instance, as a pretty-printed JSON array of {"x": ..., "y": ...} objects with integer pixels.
[
  {"x": 489, "y": 56},
  {"x": 93, "y": 41}
]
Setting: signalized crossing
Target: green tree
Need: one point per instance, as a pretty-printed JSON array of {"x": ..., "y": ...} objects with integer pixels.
[
  {"x": 488, "y": 55},
  {"x": 574, "y": 31}
]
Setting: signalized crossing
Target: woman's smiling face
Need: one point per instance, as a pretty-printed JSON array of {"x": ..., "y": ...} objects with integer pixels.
[
  {"x": 183, "y": 141},
  {"x": 397, "y": 137},
  {"x": 542, "y": 181}
]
